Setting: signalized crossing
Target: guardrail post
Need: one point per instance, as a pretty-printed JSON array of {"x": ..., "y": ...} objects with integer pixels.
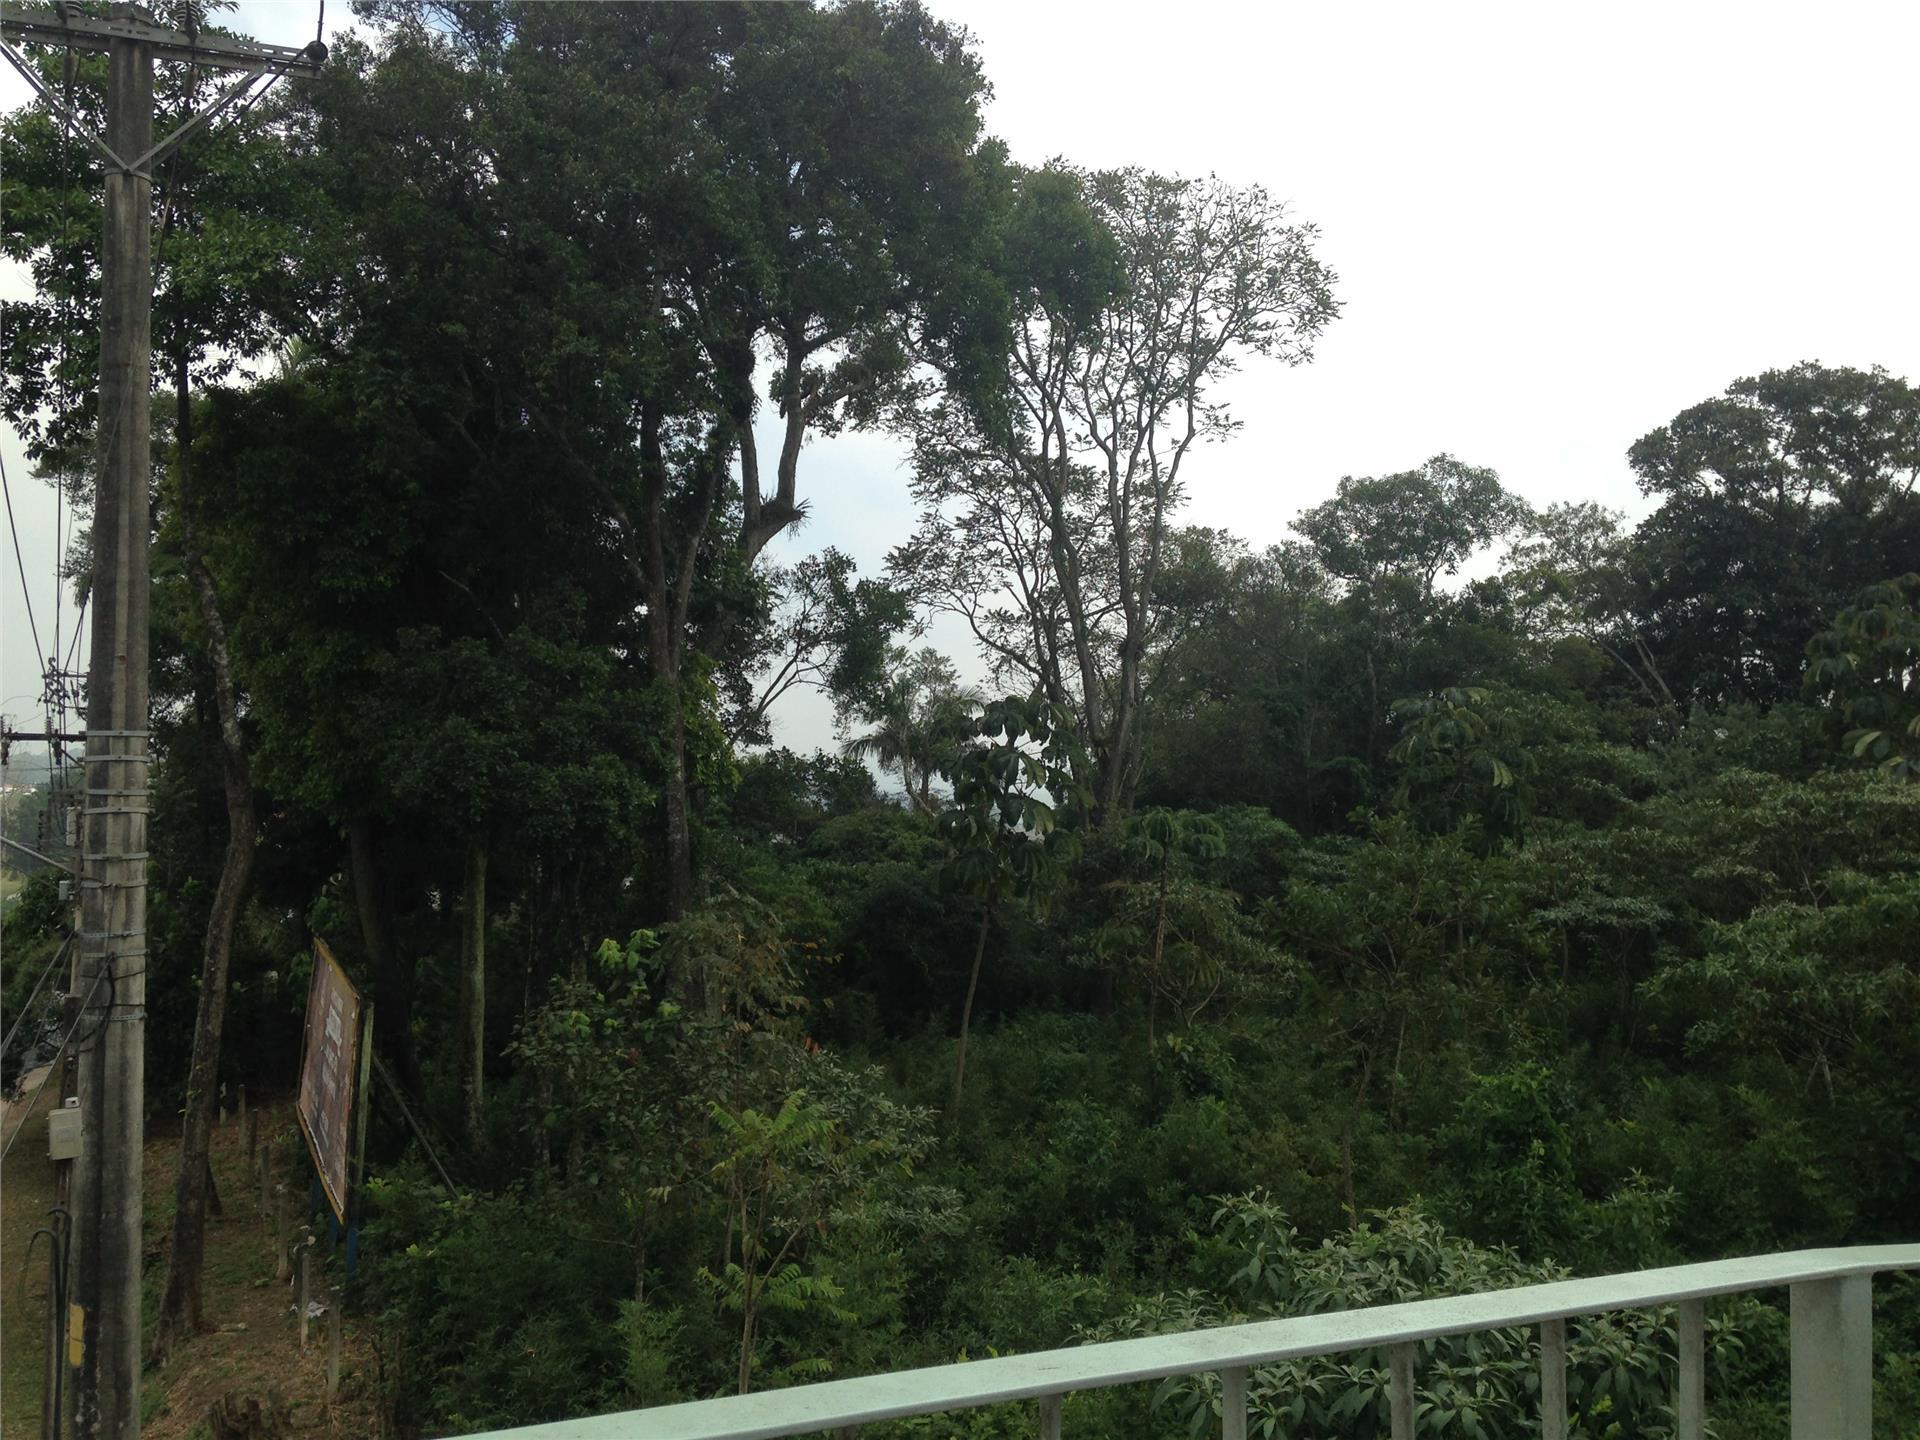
[
  {"x": 1690, "y": 1394},
  {"x": 1049, "y": 1417},
  {"x": 1553, "y": 1379},
  {"x": 1233, "y": 1405},
  {"x": 1833, "y": 1359},
  {"x": 1400, "y": 1390}
]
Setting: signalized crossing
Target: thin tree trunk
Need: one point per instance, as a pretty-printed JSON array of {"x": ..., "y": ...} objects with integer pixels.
[
  {"x": 1348, "y": 1189},
  {"x": 180, "y": 1300},
  {"x": 1106, "y": 988},
  {"x": 1160, "y": 913},
  {"x": 640, "y": 1263},
  {"x": 1399, "y": 1053},
  {"x": 571, "y": 942},
  {"x": 746, "y": 1336},
  {"x": 392, "y": 977},
  {"x": 1158, "y": 976},
  {"x": 472, "y": 1009},
  {"x": 1119, "y": 748},
  {"x": 747, "y": 1297},
  {"x": 542, "y": 1139},
  {"x": 668, "y": 598},
  {"x": 1348, "y": 1199},
  {"x": 1373, "y": 713},
  {"x": 668, "y": 594},
  {"x": 1048, "y": 476},
  {"x": 678, "y": 800},
  {"x": 966, "y": 1009}
]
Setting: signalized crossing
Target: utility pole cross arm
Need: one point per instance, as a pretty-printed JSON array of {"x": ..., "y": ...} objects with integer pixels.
[
  {"x": 46, "y": 25},
  {"x": 219, "y": 52}
]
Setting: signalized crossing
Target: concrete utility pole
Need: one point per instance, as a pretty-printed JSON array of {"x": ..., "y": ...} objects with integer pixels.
[{"x": 110, "y": 962}]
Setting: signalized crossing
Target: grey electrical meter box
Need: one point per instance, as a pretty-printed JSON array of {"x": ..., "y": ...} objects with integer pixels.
[{"x": 63, "y": 1132}]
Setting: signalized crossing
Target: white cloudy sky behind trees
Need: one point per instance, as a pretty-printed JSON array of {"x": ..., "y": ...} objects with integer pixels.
[{"x": 1554, "y": 228}]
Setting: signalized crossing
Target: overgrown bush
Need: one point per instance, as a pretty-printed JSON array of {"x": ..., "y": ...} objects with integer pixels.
[{"x": 1482, "y": 1386}]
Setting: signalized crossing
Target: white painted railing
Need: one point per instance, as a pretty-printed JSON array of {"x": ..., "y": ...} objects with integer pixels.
[{"x": 1832, "y": 1357}]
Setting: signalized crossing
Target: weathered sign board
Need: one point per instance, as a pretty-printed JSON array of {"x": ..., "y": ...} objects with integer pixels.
[{"x": 332, "y": 1087}]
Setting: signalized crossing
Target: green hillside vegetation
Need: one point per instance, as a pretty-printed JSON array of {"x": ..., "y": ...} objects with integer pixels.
[{"x": 1456, "y": 894}]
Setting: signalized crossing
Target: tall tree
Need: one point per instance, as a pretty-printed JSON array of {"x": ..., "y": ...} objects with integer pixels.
[
  {"x": 1261, "y": 704},
  {"x": 1779, "y": 501},
  {"x": 1571, "y": 575},
  {"x": 1417, "y": 525},
  {"x": 1049, "y": 480},
  {"x": 918, "y": 723},
  {"x": 681, "y": 200},
  {"x": 1390, "y": 539}
]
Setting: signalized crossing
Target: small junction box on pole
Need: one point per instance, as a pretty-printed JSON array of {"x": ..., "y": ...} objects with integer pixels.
[{"x": 63, "y": 1132}]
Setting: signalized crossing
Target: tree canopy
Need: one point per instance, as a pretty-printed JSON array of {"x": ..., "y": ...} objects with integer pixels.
[{"x": 1460, "y": 890}]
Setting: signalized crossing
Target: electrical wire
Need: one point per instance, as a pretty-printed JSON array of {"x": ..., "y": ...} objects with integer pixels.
[
  {"x": 59, "y": 522},
  {"x": 79, "y": 625},
  {"x": 58, "y": 1239},
  {"x": 34, "y": 994},
  {"x": 59, "y": 548},
  {"x": 26, "y": 591},
  {"x": 55, "y": 684},
  {"x": 53, "y": 1063},
  {"x": 113, "y": 999}
]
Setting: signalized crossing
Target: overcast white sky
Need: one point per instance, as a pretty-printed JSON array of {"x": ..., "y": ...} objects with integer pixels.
[{"x": 1555, "y": 226}]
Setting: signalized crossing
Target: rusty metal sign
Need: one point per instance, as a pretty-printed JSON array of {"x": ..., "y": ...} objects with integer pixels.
[{"x": 330, "y": 1077}]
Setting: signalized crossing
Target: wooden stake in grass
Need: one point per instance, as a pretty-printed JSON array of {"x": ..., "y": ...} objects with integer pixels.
[
  {"x": 333, "y": 1345},
  {"x": 282, "y": 1264},
  {"x": 305, "y": 1290}
]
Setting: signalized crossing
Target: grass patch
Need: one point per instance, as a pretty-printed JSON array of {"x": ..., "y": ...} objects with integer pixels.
[
  {"x": 26, "y": 1191},
  {"x": 250, "y": 1344}
]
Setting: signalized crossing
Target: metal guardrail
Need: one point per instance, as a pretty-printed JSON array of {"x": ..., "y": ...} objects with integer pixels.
[{"x": 1832, "y": 1357}]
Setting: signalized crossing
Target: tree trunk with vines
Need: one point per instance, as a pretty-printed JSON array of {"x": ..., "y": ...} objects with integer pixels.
[{"x": 180, "y": 1301}]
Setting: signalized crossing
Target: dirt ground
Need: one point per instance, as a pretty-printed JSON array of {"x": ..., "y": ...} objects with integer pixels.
[{"x": 251, "y": 1346}]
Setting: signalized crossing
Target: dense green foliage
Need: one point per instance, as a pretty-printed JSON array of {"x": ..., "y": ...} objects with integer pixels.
[{"x": 1288, "y": 929}]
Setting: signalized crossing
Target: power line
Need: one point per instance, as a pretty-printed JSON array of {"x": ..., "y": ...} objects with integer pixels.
[
  {"x": 52, "y": 1064},
  {"x": 26, "y": 592},
  {"x": 59, "y": 548},
  {"x": 27, "y": 1008},
  {"x": 55, "y": 684},
  {"x": 79, "y": 628}
]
